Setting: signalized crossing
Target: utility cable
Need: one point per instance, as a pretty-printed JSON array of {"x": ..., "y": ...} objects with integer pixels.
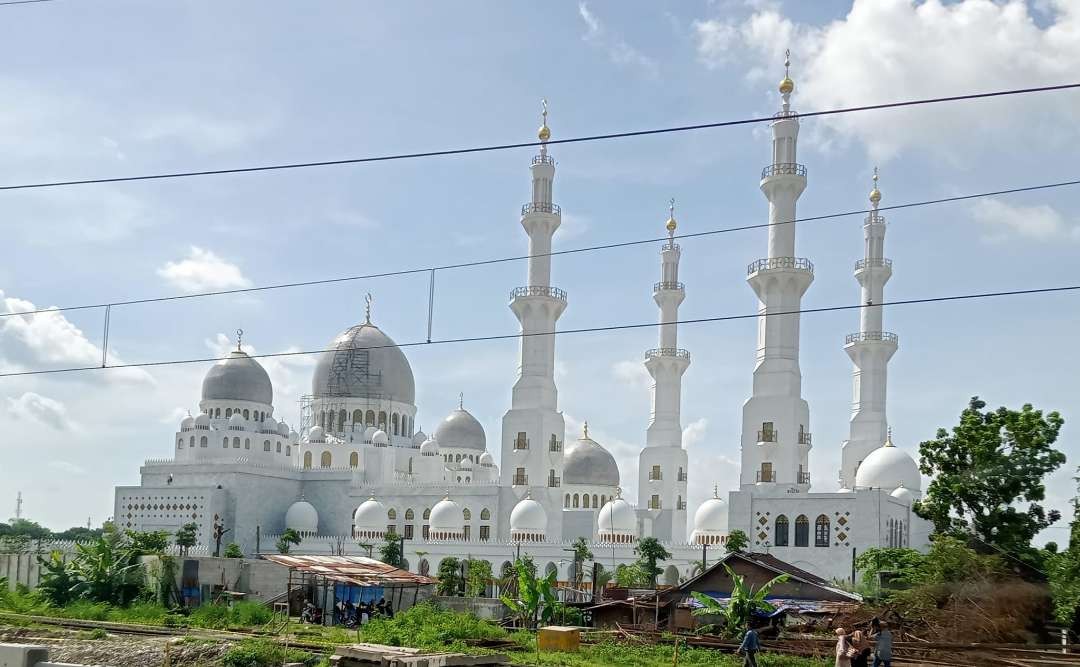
[
  {"x": 597, "y": 329},
  {"x": 553, "y": 253},
  {"x": 528, "y": 144}
]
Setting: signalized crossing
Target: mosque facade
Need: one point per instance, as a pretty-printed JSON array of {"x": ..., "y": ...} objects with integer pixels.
[{"x": 357, "y": 468}]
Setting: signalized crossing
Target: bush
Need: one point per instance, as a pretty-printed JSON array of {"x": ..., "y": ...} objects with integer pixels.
[
  {"x": 263, "y": 653},
  {"x": 86, "y": 611},
  {"x": 428, "y": 627},
  {"x": 250, "y": 614},
  {"x": 213, "y": 616},
  {"x": 145, "y": 613},
  {"x": 221, "y": 617}
]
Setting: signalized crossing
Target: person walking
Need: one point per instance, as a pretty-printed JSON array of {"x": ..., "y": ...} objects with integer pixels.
[
  {"x": 844, "y": 650},
  {"x": 862, "y": 649},
  {"x": 883, "y": 650},
  {"x": 750, "y": 647}
]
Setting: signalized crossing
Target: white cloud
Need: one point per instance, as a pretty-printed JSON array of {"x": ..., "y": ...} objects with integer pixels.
[
  {"x": 694, "y": 432},
  {"x": 632, "y": 373},
  {"x": 203, "y": 270},
  {"x": 174, "y": 416},
  {"x": 1004, "y": 221},
  {"x": 202, "y": 133},
  {"x": 572, "y": 227},
  {"x": 49, "y": 339},
  {"x": 618, "y": 49},
  {"x": 41, "y": 409},
  {"x": 890, "y": 50},
  {"x": 67, "y": 467}
]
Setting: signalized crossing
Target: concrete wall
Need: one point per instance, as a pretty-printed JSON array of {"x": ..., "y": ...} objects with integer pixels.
[
  {"x": 25, "y": 655},
  {"x": 487, "y": 608}
]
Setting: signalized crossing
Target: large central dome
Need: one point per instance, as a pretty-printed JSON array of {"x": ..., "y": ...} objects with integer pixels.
[{"x": 363, "y": 362}]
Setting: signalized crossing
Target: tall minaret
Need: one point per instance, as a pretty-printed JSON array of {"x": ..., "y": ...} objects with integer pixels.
[
  {"x": 662, "y": 464},
  {"x": 533, "y": 428},
  {"x": 776, "y": 419},
  {"x": 870, "y": 349}
]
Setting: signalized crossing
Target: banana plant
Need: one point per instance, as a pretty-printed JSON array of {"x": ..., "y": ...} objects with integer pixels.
[{"x": 745, "y": 600}]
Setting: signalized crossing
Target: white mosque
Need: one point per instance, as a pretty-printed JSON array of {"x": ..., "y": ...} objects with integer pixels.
[{"x": 357, "y": 468}]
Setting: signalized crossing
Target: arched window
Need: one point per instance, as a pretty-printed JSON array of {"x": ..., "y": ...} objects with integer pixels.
[
  {"x": 802, "y": 531},
  {"x": 358, "y": 418},
  {"x": 266, "y": 445},
  {"x": 567, "y": 503},
  {"x": 585, "y": 501},
  {"x": 409, "y": 514},
  {"x": 325, "y": 460},
  {"x": 330, "y": 421},
  {"x": 485, "y": 514},
  {"x": 392, "y": 514},
  {"x": 307, "y": 459},
  {"x": 342, "y": 417},
  {"x": 288, "y": 451},
  {"x": 457, "y": 458},
  {"x": 821, "y": 531},
  {"x": 459, "y": 479},
  {"x": 382, "y": 419},
  {"x": 225, "y": 443},
  {"x": 603, "y": 501},
  {"x": 322, "y": 418},
  {"x": 236, "y": 443},
  {"x": 228, "y": 413},
  {"x": 369, "y": 418},
  {"x": 217, "y": 413},
  {"x": 577, "y": 500},
  {"x": 279, "y": 447},
  {"x": 782, "y": 531},
  {"x": 594, "y": 501},
  {"x": 354, "y": 460},
  {"x": 410, "y": 465},
  {"x": 245, "y": 414},
  {"x": 467, "y": 514},
  {"x": 191, "y": 442},
  {"x": 427, "y": 513},
  {"x": 247, "y": 443},
  {"x": 202, "y": 441},
  {"x": 394, "y": 423},
  {"x": 180, "y": 443}
]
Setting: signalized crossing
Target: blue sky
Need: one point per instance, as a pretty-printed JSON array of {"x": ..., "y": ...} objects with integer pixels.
[{"x": 104, "y": 89}]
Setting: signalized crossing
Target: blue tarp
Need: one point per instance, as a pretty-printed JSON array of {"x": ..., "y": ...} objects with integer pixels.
[
  {"x": 781, "y": 604},
  {"x": 357, "y": 594}
]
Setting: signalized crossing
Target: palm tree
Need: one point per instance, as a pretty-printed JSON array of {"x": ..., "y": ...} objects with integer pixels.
[{"x": 742, "y": 604}]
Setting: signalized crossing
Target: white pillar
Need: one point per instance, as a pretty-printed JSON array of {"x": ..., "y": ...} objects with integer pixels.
[
  {"x": 662, "y": 464},
  {"x": 870, "y": 349},
  {"x": 776, "y": 419},
  {"x": 533, "y": 428}
]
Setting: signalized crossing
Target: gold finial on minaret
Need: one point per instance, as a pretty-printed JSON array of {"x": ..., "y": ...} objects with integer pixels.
[
  {"x": 671, "y": 224},
  {"x": 875, "y": 194},
  {"x": 786, "y": 84},
  {"x": 367, "y": 309},
  {"x": 239, "y": 337},
  {"x": 544, "y": 132}
]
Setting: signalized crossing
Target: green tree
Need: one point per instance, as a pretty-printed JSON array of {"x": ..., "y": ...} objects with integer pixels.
[
  {"x": 155, "y": 542},
  {"x": 449, "y": 576},
  {"x": 57, "y": 582},
  {"x": 390, "y": 550},
  {"x": 106, "y": 570},
  {"x": 632, "y": 576},
  {"x": 25, "y": 528},
  {"x": 744, "y": 601},
  {"x": 984, "y": 470},
  {"x": 232, "y": 550},
  {"x": 650, "y": 552},
  {"x": 289, "y": 538},
  {"x": 187, "y": 537},
  {"x": 736, "y": 542},
  {"x": 582, "y": 553},
  {"x": 78, "y": 534},
  {"x": 479, "y": 576},
  {"x": 1064, "y": 570}
]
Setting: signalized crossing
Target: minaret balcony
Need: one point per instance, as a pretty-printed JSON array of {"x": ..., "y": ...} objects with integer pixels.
[
  {"x": 539, "y": 290},
  {"x": 668, "y": 285},
  {"x": 765, "y": 476},
  {"x": 873, "y": 262},
  {"x": 788, "y": 113},
  {"x": 667, "y": 352},
  {"x": 543, "y": 158},
  {"x": 781, "y": 264},
  {"x": 804, "y": 477},
  {"x": 540, "y": 207},
  {"x": 784, "y": 169},
  {"x": 767, "y": 436},
  {"x": 520, "y": 480},
  {"x": 872, "y": 337}
]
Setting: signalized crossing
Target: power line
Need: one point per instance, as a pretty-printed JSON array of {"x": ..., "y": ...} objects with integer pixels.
[
  {"x": 502, "y": 147},
  {"x": 570, "y": 251},
  {"x": 22, "y": 2},
  {"x": 597, "y": 329}
]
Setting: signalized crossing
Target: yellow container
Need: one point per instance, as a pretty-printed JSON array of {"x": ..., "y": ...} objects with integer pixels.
[{"x": 559, "y": 638}]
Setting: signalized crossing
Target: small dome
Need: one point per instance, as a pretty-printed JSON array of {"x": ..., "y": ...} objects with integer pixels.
[
  {"x": 187, "y": 423},
  {"x": 316, "y": 434},
  {"x": 236, "y": 422},
  {"x": 888, "y": 467},
  {"x": 370, "y": 518},
  {"x": 419, "y": 438},
  {"x": 616, "y": 518},
  {"x": 283, "y": 429},
  {"x": 429, "y": 448},
  {"x": 587, "y": 462},
  {"x": 460, "y": 430},
  {"x": 369, "y": 432},
  {"x": 294, "y": 437},
  {"x": 528, "y": 519},
  {"x": 238, "y": 378},
  {"x": 903, "y": 494},
  {"x": 447, "y": 521},
  {"x": 202, "y": 421},
  {"x": 302, "y": 517},
  {"x": 487, "y": 460},
  {"x": 269, "y": 425},
  {"x": 465, "y": 464},
  {"x": 787, "y": 86},
  {"x": 380, "y": 438},
  {"x": 711, "y": 517}
]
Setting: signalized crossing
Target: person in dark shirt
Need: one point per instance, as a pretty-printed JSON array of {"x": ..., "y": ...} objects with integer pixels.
[{"x": 750, "y": 647}]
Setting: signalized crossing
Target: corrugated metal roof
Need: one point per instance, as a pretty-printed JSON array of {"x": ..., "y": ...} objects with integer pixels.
[
  {"x": 787, "y": 605},
  {"x": 355, "y": 570}
]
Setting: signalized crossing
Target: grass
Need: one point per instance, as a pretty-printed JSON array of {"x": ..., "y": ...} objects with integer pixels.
[
  {"x": 264, "y": 653},
  {"x": 612, "y": 654},
  {"x": 426, "y": 626}
]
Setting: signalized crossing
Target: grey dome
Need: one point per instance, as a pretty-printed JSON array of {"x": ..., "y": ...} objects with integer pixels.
[
  {"x": 363, "y": 362},
  {"x": 238, "y": 378},
  {"x": 462, "y": 431},
  {"x": 587, "y": 462}
]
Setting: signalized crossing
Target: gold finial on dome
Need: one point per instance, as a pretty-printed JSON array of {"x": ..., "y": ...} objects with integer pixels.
[
  {"x": 585, "y": 430},
  {"x": 786, "y": 84},
  {"x": 888, "y": 438},
  {"x": 671, "y": 224},
  {"x": 875, "y": 194},
  {"x": 544, "y": 132},
  {"x": 239, "y": 337}
]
